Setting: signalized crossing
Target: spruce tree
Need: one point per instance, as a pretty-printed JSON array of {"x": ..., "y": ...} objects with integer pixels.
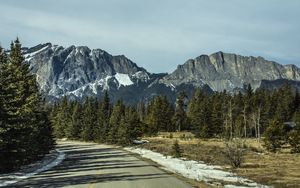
[
  {"x": 130, "y": 127},
  {"x": 274, "y": 136},
  {"x": 176, "y": 150},
  {"x": 75, "y": 127},
  {"x": 62, "y": 119},
  {"x": 199, "y": 113},
  {"x": 89, "y": 121},
  {"x": 115, "y": 120},
  {"x": 24, "y": 119},
  {"x": 180, "y": 118}
]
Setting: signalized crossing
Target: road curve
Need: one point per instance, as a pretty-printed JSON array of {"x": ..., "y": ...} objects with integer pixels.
[{"x": 89, "y": 165}]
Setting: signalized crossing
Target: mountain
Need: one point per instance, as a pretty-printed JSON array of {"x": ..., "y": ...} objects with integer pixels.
[
  {"x": 225, "y": 71},
  {"x": 78, "y": 71}
]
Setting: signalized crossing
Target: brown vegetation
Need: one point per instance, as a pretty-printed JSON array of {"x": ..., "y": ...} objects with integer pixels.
[{"x": 279, "y": 169}]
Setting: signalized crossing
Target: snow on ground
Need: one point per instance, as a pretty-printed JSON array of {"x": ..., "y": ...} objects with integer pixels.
[
  {"x": 123, "y": 79},
  {"x": 195, "y": 170},
  {"x": 15, "y": 177}
]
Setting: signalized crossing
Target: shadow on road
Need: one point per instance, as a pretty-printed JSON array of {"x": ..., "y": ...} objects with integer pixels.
[{"x": 85, "y": 165}]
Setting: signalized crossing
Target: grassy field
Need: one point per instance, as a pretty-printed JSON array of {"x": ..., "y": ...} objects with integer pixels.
[{"x": 280, "y": 169}]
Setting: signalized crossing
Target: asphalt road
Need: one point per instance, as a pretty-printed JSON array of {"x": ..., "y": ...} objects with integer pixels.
[{"x": 93, "y": 165}]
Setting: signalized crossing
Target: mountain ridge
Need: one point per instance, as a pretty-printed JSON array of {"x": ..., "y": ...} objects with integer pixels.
[
  {"x": 78, "y": 71},
  {"x": 226, "y": 71}
]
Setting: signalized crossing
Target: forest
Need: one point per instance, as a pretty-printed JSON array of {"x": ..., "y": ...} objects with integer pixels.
[{"x": 273, "y": 115}]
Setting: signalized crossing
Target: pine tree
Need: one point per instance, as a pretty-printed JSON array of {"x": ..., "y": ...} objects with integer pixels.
[
  {"x": 176, "y": 150},
  {"x": 180, "y": 117},
  {"x": 24, "y": 119},
  {"x": 199, "y": 113},
  {"x": 89, "y": 120},
  {"x": 274, "y": 136},
  {"x": 285, "y": 101},
  {"x": 62, "y": 119},
  {"x": 115, "y": 120},
  {"x": 159, "y": 115},
  {"x": 106, "y": 110},
  {"x": 75, "y": 127},
  {"x": 129, "y": 128},
  {"x": 216, "y": 115}
]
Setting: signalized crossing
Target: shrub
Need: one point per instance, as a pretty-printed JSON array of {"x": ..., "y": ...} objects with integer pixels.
[
  {"x": 274, "y": 136},
  {"x": 182, "y": 137},
  {"x": 171, "y": 136},
  {"x": 176, "y": 150},
  {"x": 234, "y": 152},
  {"x": 294, "y": 141}
]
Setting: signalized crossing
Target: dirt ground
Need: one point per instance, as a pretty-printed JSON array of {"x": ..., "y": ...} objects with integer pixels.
[{"x": 280, "y": 169}]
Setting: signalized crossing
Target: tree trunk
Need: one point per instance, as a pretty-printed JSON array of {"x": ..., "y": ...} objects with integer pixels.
[
  {"x": 230, "y": 117},
  {"x": 245, "y": 121},
  {"x": 258, "y": 122},
  {"x": 255, "y": 126}
]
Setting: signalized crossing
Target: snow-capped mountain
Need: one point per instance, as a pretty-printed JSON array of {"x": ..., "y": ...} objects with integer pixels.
[{"x": 78, "y": 71}]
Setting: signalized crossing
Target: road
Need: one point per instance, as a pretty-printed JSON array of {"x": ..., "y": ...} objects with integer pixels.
[{"x": 89, "y": 165}]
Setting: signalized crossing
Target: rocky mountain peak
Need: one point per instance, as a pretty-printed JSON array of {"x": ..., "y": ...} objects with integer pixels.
[
  {"x": 228, "y": 71},
  {"x": 78, "y": 71}
]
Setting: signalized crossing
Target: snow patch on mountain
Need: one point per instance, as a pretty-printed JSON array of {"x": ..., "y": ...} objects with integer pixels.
[
  {"x": 141, "y": 75},
  {"x": 29, "y": 56},
  {"x": 123, "y": 79}
]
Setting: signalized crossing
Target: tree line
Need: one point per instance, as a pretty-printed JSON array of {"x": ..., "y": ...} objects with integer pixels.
[
  {"x": 94, "y": 120},
  {"x": 25, "y": 130},
  {"x": 217, "y": 115}
]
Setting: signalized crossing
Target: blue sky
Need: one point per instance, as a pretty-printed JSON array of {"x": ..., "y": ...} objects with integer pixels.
[{"x": 159, "y": 34}]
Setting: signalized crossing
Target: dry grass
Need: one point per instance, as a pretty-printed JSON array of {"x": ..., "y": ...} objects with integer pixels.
[{"x": 277, "y": 169}]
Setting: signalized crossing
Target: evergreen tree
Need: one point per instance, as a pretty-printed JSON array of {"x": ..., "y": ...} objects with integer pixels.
[
  {"x": 23, "y": 119},
  {"x": 180, "y": 117},
  {"x": 274, "y": 136},
  {"x": 285, "y": 101},
  {"x": 199, "y": 113},
  {"x": 89, "y": 120},
  {"x": 62, "y": 118},
  {"x": 75, "y": 127},
  {"x": 216, "y": 114},
  {"x": 176, "y": 150},
  {"x": 159, "y": 116},
  {"x": 115, "y": 120},
  {"x": 130, "y": 127}
]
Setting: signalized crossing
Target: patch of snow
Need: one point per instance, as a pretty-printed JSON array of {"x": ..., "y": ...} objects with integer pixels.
[
  {"x": 93, "y": 86},
  {"x": 170, "y": 85},
  {"x": 195, "y": 170},
  {"x": 140, "y": 141},
  {"x": 105, "y": 83},
  {"x": 77, "y": 92},
  {"x": 123, "y": 79},
  {"x": 29, "y": 56},
  {"x": 141, "y": 75},
  {"x": 16, "y": 177},
  {"x": 54, "y": 47}
]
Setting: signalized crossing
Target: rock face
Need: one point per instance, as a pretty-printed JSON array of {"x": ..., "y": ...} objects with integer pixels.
[
  {"x": 222, "y": 71},
  {"x": 78, "y": 71}
]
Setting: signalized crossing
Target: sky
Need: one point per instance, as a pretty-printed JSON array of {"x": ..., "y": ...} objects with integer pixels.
[{"x": 159, "y": 34}]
